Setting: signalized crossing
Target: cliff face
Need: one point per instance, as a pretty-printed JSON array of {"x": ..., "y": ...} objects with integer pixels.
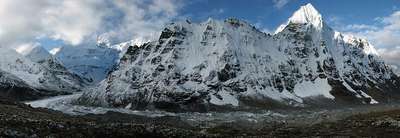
[{"x": 218, "y": 64}]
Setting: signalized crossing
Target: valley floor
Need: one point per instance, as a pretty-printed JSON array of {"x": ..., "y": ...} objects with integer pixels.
[{"x": 20, "y": 120}]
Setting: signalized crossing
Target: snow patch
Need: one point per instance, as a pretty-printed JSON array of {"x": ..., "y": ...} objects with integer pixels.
[
  {"x": 373, "y": 101},
  {"x": 348, "y": 87},
  {"x": 319, "y": 87},
  {"x": 54, "y": 51},
  {"x": 129, "y": 106}
]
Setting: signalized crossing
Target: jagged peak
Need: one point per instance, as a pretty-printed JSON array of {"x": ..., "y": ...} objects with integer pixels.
[
  {"x": 306, "y": 14},
  {"x": 182, "y": 27},
  {"x": 367, "y": 47},
  {"x": 103, "y": 41},
  {"x": 34, "y": 52},
  {"x": 237, "y": 22},
  {"x": 363, "y": 43}
]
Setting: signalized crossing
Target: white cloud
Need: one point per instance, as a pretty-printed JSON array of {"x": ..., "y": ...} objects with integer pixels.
[
  {"x": 391, "y": 56},
  {"x": 167, "y": 6},
  {"x": 280, "y": 3},
  {"x": 17, "y": 20},
  {"x": 140, "y": 19},
  {"x": 360, "y": 27},
  {"x": 77, "y": 21},
  {"x": 389, "y": 35},
  {"x": 73, "y": 20}
]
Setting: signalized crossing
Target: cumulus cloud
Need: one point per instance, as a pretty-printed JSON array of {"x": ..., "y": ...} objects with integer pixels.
[
  {"x": 139, "y": 19},
  {"x": 77, "y": 21},
  {"x": 280, "y": 3},
  {"x": 73, "y": 20},
  {"x": 16, "y": 20},
  {"x": 360, "y": 27},
  {"x": 391, "y": 56},
  {"x": 390, "y": 34}
]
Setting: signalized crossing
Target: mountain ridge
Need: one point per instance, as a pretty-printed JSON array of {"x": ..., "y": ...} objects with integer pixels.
[
  {"x": 35, "y": 74},
  {"x": 232, "y": 64}
]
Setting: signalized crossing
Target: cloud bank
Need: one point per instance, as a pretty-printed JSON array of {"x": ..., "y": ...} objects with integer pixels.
[{"x": 77, "y": 21}]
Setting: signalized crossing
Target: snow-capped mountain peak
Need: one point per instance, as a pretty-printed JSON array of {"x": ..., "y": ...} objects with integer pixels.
[
  {"x": 35, "y": 53},
  {"x": 307, "y": 14},
  {"x": 44, "y": 74},
  {"x": 103, "y": 42},
  {"x": 362, "y": 43},
  {"x": 197, "y": 66}
]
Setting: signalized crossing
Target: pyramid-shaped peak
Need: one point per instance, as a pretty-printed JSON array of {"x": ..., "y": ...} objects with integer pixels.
[
  {"x": 309, "y": 6},
  {"x": 307, "y": 14}
]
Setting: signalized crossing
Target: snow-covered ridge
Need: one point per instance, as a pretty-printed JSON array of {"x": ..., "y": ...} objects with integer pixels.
[
  {"x": 363, "y": 43},
  {"x": 38, "y": 70},
  {"x": 35, "y": 52},
  {"x": 195, "y": 66}
]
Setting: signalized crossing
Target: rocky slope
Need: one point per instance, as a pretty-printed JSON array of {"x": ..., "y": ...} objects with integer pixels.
[
  {"x": 26, "y": 79},
  {"x": 19, "y": 120},
  {"x": 231, "y": 64},
  {"x": 12, "y": 87}
]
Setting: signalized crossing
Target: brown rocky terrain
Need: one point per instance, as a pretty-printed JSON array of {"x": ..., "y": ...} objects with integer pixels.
[{"x": 20, "y": 120}]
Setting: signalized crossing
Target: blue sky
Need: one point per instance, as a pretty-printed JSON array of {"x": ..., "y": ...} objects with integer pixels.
[
  {"x": 266, "y": 14},
  {"x": 82, "y": 22}
]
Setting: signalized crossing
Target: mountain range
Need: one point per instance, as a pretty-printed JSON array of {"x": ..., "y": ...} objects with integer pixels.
[
  {"x": 213, "y": 65},
  {"x": 34, "y": 74},
  {"x": 230, "y": 64}
]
